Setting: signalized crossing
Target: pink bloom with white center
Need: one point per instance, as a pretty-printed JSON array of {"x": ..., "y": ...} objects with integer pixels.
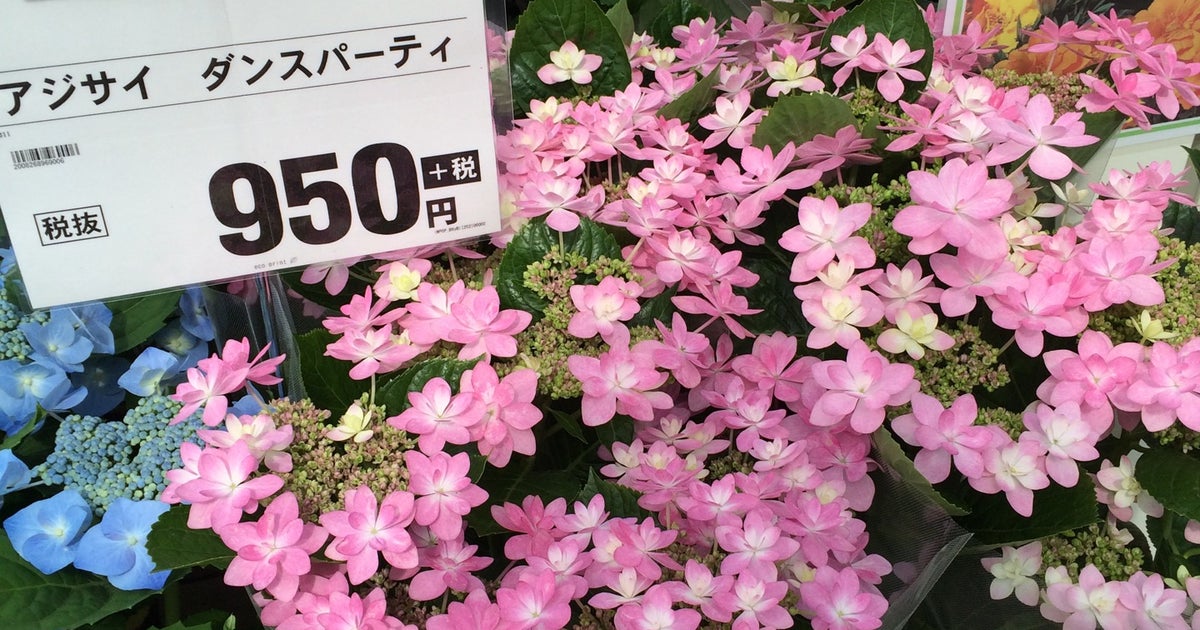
[
  {"x": 956, "y": 206},
  {"x": 536, "y": 602},
  {"x": 1014, "y": 572},
  {"x": 892, "y": 60},
  {"x": 602, "y": 307},
  {"x": 266, "y": 443},
  {"x": 1123, "y": 267},
  {"x": 439, "y": 416},
  {"x": 475, "y": 612},
  {"x": 218, "y": 375},
  {"x": 1094, "y": 377},
  {"x": 223, "y": 489},
  {"x": 1117, "y": 488},
  {"x": 944, "y": 435},
  {"x": 1153, "y": 604},
  {"x": 1038, "y": 131},
  {"x": 508, "y": 411},
  {"x": 619, "y": 381},
  {"x": 444, "y": 491},
  {"x": 189, "y": 455},
  {"x": 837, "y": 315},
  {"x": 680, "y": 351},
  {"x": 913, "y": 334},
  {"x": 858, "y": 389},
  {"x": 334, "y": 274},
  {"x": 840, "y": 602},
  {"x": 654, "y": 612},
  {"x": 367, "y": 528},
  {"x": 730, "y": 121},
  {"x": 968, "y": 276},
  {"x": 533, "y": 521},
  {"x": 826, "y": 230},
  {"x": 755, "y": 603},
  {"x": 452, "y": 565},
  {"x": 755, "y": 545},
  {"x": 273, "y": 552},
  {"x": 558, "y": 198},
  {"x": 1066, "y": 437},
  {"x": 569, "y": 63},
  {"x": 362, "y": 313},
  {"x": 1093, "y": 601},
  {"x": 905, "y": 288},
  {"x": 1041, "y": 307},
  {"x": 483, "y": 327},
  {"x": 428, "y": 316},
  {"x": 770, "y": 366},
  {"x": 1017, "y": 469}
]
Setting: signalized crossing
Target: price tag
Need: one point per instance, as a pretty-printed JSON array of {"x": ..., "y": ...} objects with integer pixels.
[{"x": 148, "y": 144}]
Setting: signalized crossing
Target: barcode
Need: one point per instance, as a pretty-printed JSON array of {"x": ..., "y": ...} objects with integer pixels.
[{"x": 40, "y": 155}]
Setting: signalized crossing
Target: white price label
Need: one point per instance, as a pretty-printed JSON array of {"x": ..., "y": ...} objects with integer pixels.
[{"x": 149, "y": 145}]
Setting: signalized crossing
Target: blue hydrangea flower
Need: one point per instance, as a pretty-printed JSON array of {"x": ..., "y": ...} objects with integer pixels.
[
  {"x": 148, "y": 370},
  {"x": 99, "y": 377},
  {"x": 24, "y": 387},
  {"x": 58, "y": 343},
  {"x": 194, "y": 316},
  {"x": 14, "y": 474},
  {"x": 116, "y": 547},
  {"x": 45, "y": 533},
  {"x": 181, "y": 343},
  {"x": 94, "y": 321}
]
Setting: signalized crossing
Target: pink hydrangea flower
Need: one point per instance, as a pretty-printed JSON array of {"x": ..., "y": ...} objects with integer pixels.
[
  {"x": 569, "y": 63},
  {"x": 367, "y": 528},
  {"x": 274, "y": 551},
  {"x": 602, "y": 307}
]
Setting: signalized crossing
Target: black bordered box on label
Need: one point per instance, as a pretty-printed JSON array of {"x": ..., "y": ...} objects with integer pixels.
[
  {"x": 71, "y": 225},
  {"x": 450, "y": 169}
]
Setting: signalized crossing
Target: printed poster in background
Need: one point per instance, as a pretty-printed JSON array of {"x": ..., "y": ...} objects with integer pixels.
[
  {"x": 1176, "y": 22},
  {"x": 148, "y": 145}
]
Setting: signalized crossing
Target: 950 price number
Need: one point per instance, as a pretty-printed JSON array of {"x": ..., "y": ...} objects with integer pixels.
[{"x": 267, "y": 216}]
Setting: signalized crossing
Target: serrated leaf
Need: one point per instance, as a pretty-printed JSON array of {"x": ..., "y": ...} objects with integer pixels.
[
  {"x": 544, "y": 27},
  {"x": 569, "y": 422},
  {"x": 1184, "y": 221},
  {"x": 173, "y": 545},
  {"x": 798, "y": 118},
  {"x": 657, "y": 308},
  {"x": 531, "y": 244},
  {"x": 394, "y": 394},
  {"x": 327, "y": 380},
  {"x": 674, "y": 13},
  {"x": 622, "y": 20},
  {"x": 69, "y": 598},
  {"x": 1055, "y": 510},
  {"x": 1173, "y": 479},
  {"x": 895, "y": 19},
  {"x": 619, "y": 501},
  {"x": 773, "y": 294},
  {"x": 693, "y": 102},
  {"x": 137, "y": 319},
  {"x": 892, "y": 456}
]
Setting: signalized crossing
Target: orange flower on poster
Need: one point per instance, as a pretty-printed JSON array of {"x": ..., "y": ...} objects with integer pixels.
[
  {"x": 1062, "y": 60},
  {"x": 1175, "y": 22},
  {"x": 1009, "y": 15}
]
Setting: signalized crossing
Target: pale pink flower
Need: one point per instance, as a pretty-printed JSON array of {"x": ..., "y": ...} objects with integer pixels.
[
  {"x": 267, "y": 444},
  {"x": 367, "y": 528},
  {"x": 826, "y": 230},
  {"x": 838, "y": 314},
  {"x": 846, "y": 51},
  {"x": 1093, "y": 601},
  {"x": 840, "y": 602},
  {"x": 444, "y": 490},
  {"x": 1037, "y": 130},
  {"x": 892, "y": 60},
  {"x": 273, "y": 552},
  {"x": 730, "y": 121},
  {"x": 334, "y": 274},
  {"x": 569, "y": 63},
  {"x": 753, "y": 603},
  {"x": 619, "y": 381},
  {"x": 944, "y": 435},
  {"x": 1014, "y": 572},
  {"x": 957, "y": 206},
  {"x": 536, "y": 602},
  {"x": 508, "y": 411},
  {"x": 1117, "y": 488},
  {"x": 858, "y": 389},
  {"x": 486, "y": 330},
  {"x": 654, "y": 612},
  {"x": 602, "y": 307},
  {"x": 439, "y": 416},
  {"x": 218, "y": 375},
  {"x": 1065, "y": 436},
  {"x": 1017, "y": 469},
  {"x": 452, "y": 565}
]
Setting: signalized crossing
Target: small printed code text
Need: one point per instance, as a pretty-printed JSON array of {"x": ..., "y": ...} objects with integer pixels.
[{"x": 41, "y": 156}]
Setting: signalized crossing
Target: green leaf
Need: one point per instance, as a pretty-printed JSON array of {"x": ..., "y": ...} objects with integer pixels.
[
  {"x": 173, "y": 545},
  {"x": 675, "y": 13},
  {"x": 773, "y": 294},
  {"x": 1055, "y": 510},
  {"x": 798, "y": 118},
  {"x": 137, "y": 319},
  {"x": 892, "y": 456},
  {"x": 394, "y": 394},
  {"x": 569, "y": 423},
  {"x": 693, "y": 102},
  {"x": 896, "y": 20},
  {"x": 1172, "y": 478},
  {"x": 802, "y": 8},
  {"x": 327, "y": 380},
  {"x": 619, "y": 501},
  {"x": 1184, "y": 220},
  {"x": 12, "y": 441},
  {"x": 531, "y": 244},
  {"x": 68, "y": 598},
  {"x": 1194, "y": 158},
  {"x": 622, "y": 20},
  {"x": 544, "y": 27},
  {"x": 619, "y": 429},
  {"x": 657, "y": 308}
]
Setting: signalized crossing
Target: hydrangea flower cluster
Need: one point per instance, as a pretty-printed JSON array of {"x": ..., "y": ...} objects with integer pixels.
[{"x": 750, "y": 450}]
